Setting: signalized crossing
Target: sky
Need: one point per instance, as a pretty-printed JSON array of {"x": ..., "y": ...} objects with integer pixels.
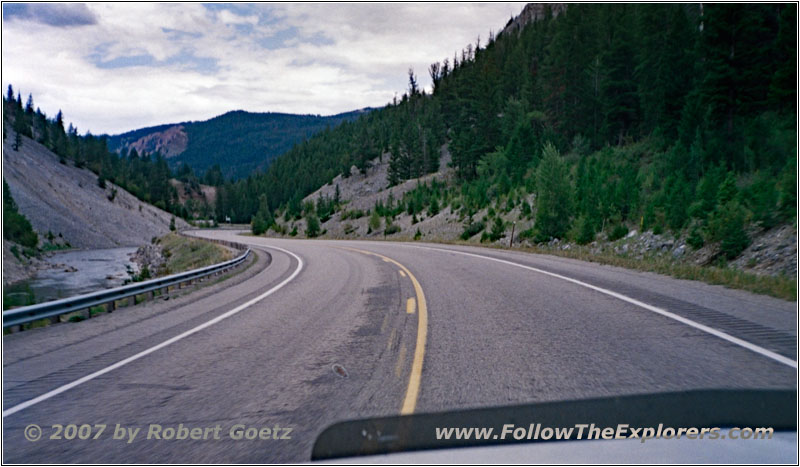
[{"x": 115, "y": 67}]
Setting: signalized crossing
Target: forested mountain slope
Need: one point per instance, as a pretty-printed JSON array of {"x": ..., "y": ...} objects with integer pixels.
[
  {"x": 239, "y": 142},
  {"x": 604, "y": 118}
]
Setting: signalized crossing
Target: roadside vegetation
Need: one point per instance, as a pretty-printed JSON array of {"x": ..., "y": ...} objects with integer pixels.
[
  {"x": 16, "y": 227},
  {"x": 185, "y": 253},
  {"x": 645, "y": 122},
  {"x": 776, "y": 286}
]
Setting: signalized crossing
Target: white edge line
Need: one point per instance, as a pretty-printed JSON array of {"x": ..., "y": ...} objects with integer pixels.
[
  {"x": 722, "y": 335},
  {"x": 228, "y": 314}
]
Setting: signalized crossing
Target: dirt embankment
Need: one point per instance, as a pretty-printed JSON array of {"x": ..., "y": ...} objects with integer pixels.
[{"x": 66, "y": 200}]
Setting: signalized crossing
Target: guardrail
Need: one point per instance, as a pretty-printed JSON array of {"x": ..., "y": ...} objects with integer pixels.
[{"x": 54, "y": 309}]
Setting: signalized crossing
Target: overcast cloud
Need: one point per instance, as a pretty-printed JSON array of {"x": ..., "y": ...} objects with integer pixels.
[{"x": 120, "y": 66}]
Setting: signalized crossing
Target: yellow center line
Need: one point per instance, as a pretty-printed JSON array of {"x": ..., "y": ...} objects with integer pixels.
[
  {"x": 415, "y": 378},
  {"x": 411, "y": 306},
  {"x": 402, "y": 273}
]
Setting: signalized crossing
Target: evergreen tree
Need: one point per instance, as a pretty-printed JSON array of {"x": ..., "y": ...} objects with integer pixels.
[
  {"x": 16, "y": 227},
  {"x": 312, "y": 226},
  {"x": 553, "y": 198}
]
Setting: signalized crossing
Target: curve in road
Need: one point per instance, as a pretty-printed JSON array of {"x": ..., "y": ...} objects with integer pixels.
[{"x": 338, "y": 338}]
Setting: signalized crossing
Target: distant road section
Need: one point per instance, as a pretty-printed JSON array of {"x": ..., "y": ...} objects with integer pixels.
[{"x": 341, "y": 335}]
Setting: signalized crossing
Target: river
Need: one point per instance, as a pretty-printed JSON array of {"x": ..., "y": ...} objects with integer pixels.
[{"x": 80, "y": 271}]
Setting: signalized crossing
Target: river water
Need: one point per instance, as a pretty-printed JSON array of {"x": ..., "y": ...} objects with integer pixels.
[{"x": 81, "y": 271}]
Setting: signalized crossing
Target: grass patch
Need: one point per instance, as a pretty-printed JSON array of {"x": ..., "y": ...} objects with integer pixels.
[
  {"x": 775, "y": 286},
  {"x": 185, "y": 253},
  {"x": 17, "y": 295},
  {"x": 39, "y": 323},
  {"x": 55, "y": 247},
  {"x": 354, "y": 214}
]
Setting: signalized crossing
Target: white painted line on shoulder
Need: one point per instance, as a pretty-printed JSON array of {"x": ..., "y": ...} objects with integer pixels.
[
  {"x": 227, "y": 314},
  {"x": 715, "y": 332}
]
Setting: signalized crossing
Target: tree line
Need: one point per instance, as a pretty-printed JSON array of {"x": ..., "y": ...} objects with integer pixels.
[
  {"x": 658, "y": 116},
  {"x": 598, "y": 119},
  {"x": 146, "y": 176}
]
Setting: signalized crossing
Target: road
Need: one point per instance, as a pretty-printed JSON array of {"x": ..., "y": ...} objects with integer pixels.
[{"x": 315, "y": 332}]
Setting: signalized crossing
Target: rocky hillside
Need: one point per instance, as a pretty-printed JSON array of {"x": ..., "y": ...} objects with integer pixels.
[
  {"x": 67, "y": 201},
  {"x": 771, "y": 252},
  {"x": 534, "y": 12},
  {"x": 169, "y": 142}
]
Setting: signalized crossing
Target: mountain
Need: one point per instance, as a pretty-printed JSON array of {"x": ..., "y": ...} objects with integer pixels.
[
  {"x": 574, "y": 125},
  {"x": 239, "y": 142}
]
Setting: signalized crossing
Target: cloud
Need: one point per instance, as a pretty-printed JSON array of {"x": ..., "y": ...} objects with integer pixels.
[
  {"x": 52, "y": 14},
  {"x": 229, "y": 17},
  {"x": 144, "y": 64}
]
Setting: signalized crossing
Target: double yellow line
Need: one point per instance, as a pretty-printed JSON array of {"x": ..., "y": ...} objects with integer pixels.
[{"x": 415, "y": 378}]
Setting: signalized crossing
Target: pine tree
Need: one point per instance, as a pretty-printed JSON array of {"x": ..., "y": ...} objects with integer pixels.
[
  {"x": 312, "y": 226},
  {"x": 553, "y": 197},
  {"x": 374, "y": 220}
]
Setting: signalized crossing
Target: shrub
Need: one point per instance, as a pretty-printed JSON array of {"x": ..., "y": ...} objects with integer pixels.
[
  {"x": 498, "y": 230},
  {"x": 391, "y": 229},
  {"x": 509, "y": 204},
  {"x": 787, "y": 190},
  {"x": 695, "y": 238},
  {"x": 16, "y": 227},
  {"x": 433, "y": 209},
  {"x": 763, "y": 200},
  {"x": 472, "y": 229},
  {"x": 374, "y": 221},
  {"x": 619, "y": 231},
  {"x": 526, "y": 209},
  {"x": 584, "y": 230},
  {"x": 312, "y": 226},
  {"x": 527, "y": 234},
  {"x": 278, "y": 228},
  {"x": 354, "y": 214},
  {"x": 733, "y": 238},
  {"x": 259, "y": 224},
  {"x": 143, "y": 275}
]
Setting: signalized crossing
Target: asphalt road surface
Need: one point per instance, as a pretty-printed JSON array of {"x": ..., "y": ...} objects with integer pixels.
[{"x": 315, "y": 332}]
